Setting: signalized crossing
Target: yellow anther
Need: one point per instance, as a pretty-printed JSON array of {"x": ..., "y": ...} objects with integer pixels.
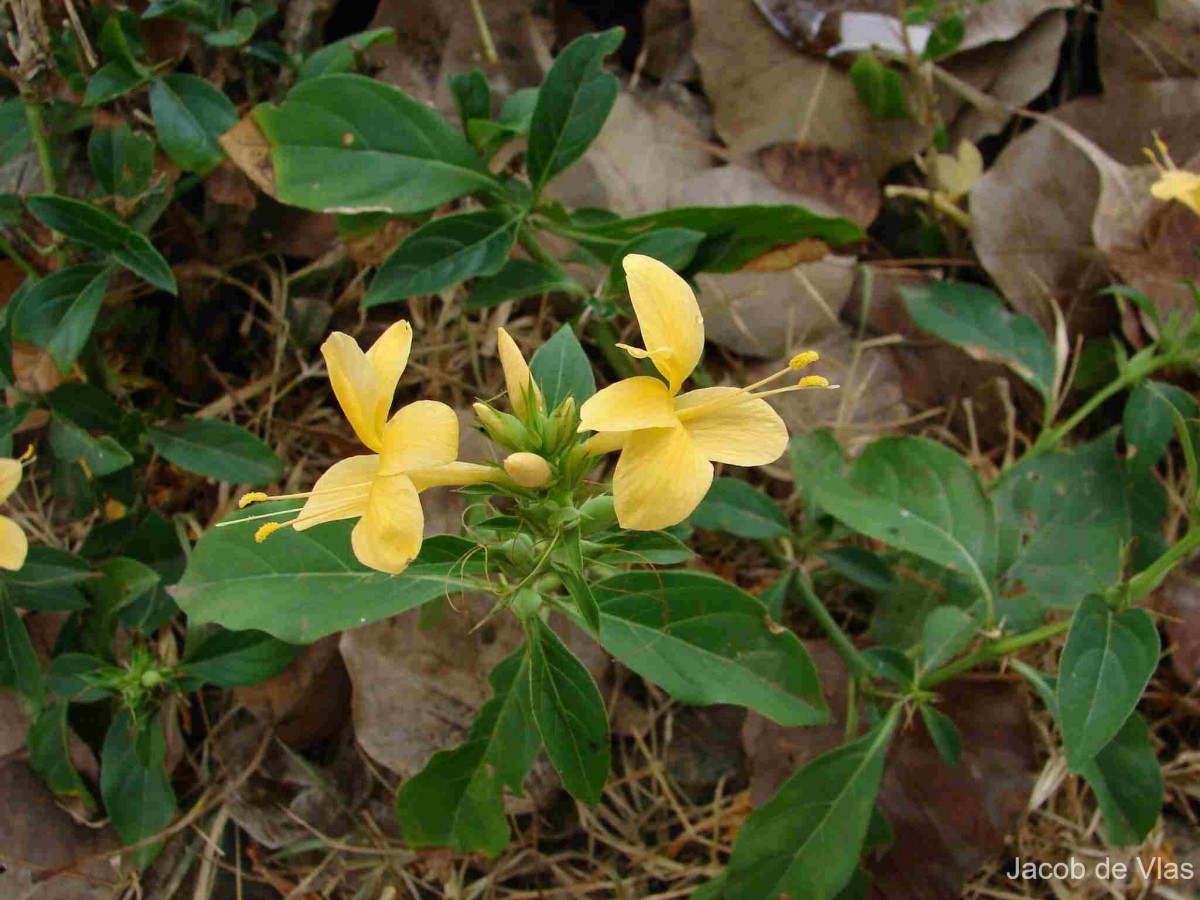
[
  {"x": 266, "y": 531},
  {"x": 813, "y": 381},
  {"x": 803, "y": 360},
  {"x": 27, "y": 456},
  {"x": 252, "y": 497}
]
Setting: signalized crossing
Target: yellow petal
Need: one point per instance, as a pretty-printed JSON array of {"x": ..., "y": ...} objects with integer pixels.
[
  {"x": 660, "y": 478},
  {"x": 13, "y": 544},
  {"x": 341, "y": 493},
  {"x": 455, "y": 473},
  {"x": 10, "y": 477},
  {"x": 956, "y": 174},
  {"x": 745, "y": 433},
  {"x": 668, "y": 315},
  {"x": 389, "y": 534},
  {"x": 606, "y": 442},
  {"x": 1176, "y": 184},
  {"x": 420, "y": 436},
  {"x": 356, "y": 387},
  {"x": 639, "y": 402},
  {"x": 516, "y": 374},
  {"x": 388, "y": 356}
]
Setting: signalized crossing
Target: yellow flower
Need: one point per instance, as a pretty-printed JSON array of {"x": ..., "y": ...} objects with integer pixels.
[
  {"x": 415, "y": 449},
  {"x": 13, "y": 543},
  {"x": 520, "y": 384},
  {"x": 955, "y": 176},
  {"x": 1173, "y": 183},
  {"x": 669, "y": 441}
]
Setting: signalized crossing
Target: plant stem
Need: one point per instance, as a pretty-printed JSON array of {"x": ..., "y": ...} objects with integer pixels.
[
  {"x": 1051, "y": 438},
  {"x": 854, "y": 660},
  {"x": 33, "y": 114},
  {"x": 994, "y": 650},
  {"x": 485, "y": 34},
  {"x": 1151, "y": 577},
  {"x": 10, "y": 251}
]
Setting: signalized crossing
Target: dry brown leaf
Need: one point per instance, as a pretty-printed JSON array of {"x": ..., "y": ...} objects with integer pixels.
[
  {"x": 839, "y": 180},
  {"x": 667, "y": 42},
  {"x": 1003, "y": 20},
  {"x": 247, "y": 147},
  {"x": 35, "y": 371},
  {"x": 229, "y": 186},
  {"x": 1145, "y": 40},
  {"x": 765, "y": 92},
  {"x": 308, "y": 701},
  {"x": 1179, "y": 600},
  {"x": 1043, "y": 206},
  {"x": 787, "y": 257}
]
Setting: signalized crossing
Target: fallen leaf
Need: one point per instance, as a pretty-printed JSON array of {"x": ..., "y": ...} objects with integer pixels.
[
  {"x": 667, "y": 42},
  {"x": 248, "y": 149},
  {"x": 1003, "y": 20},
  {"x": 837, "y": 180},
  {"x": 764, "y": 92},
  {"x": 1145, "y": 40},
  {"x": 308, "y": 701},
  {"x": 35, "y": 371},
  {"x": 229, "y": 186},
  {"x": 1179, "y": 600},
  {"x": 13, "y": 724},
  {"x": 788, "y": 256}
]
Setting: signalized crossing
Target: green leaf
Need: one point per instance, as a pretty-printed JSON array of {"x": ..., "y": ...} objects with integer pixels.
[
  {"x": 734, "y": 506},
  {"x": 442, "y": 253},
  {"x": 1105, "y": 666},
  {"x": 190, "y": 114},
  {"x": 59, "y": 312},
  {"x": 655, "y": 548},
  {"x": 71, "y": 443},
  {"x": 50, "y": 757},
  {"x": 520, "y": 278},
  {"x": 575, "y": 580},
  {"x": 946, "y": 37},
  {"x": 137, "y": 793},
  {"x": 880, "y": 89},
  {"x": 561, "y": 369},
  {"x": 339, "y": 56},
  {"x": 805, "y": 841},
  {"x": 704, "y": 641},
  {"x": 343, "y": 143},
  {"x": 943, "y": 733},
  {"x": 114, "y": 79},
  {"x": 241, "y": 28},
  {"x": 1127, "y": 782},
  {"x": 774, "y": 596},
  {"x": 472, "y": 96},
  {"x": 676, "y": 247},
  {"x": 19, "y": 666},
  {"x": 974, "y": 318},
  {"x": 1148, "y": 422},
  {"x": 302, "y": 585},
  {"x": 911, "y": 493},
  {"x": 82, "y": 678},
  {"x": 573, "y": 103},
  {"x": 514, "y": 120},
  {"x": 14, "y": 130},
  {"x": 738, "y": 233},
  {"x": 49, "y": 581},
  {"x": 1063, "y": 519},
  {"x": 217, "y": 449},
  {"x": 860, "y": 566},
  {"x": 569, "y": 713},
  {"x": 947, "y": 630},
  {"x": 892, "y": 665},
  {"x": 95, "y": 228},
  {"x": 457, "y": 800},
  {"x": 235, "y": 658},
  {"x": 122, "y": 159},
  {"x": 204, "y": 13}
]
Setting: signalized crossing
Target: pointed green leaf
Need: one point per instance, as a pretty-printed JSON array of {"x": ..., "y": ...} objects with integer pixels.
[
  {"x": 218, "y": 450},
  {"x": 1127, "y": 781},
  {"x": 569, "y": 713},
  {"x": 50, "y": 581},
  {"x": 19, "y": 666},
  {"x": 50, "y": 757},
  {"x": 561, "y": 369},
  {"x": 805, "y": 841},
  {"x": 71, "y": 443},
  {"x": 60, "y": 311},
  {"x": 81, "y": 678},
  {"x": 344, "y": 143},
  {"x": 235, "y": 658},
  {"x": 457, "y": 800},
  {"x": 947, "y": 630},
  {"x": 302, "y": 585},
  {"x": 704, "y": 641},
  {"x": 734, "y": 506},
  {"x": 573, "y": 103},
  {"x": 943, "y": 733},
  {"x": 190, "y": 114},
  {"x": 137, "y": 793},
  {"x": 1148, "y": 422},
  {"x": 95, "y": 228},
  {"x": 472, "y": 96},
  {"x": 122, "y": 159},
  {"x": 443, "y": 253},
  {"x": 338, "y": 57},
  {"x": 520, "y": 278},
  {"x": 1105, "y": 666},
  {"x": 14, "y": 130}
]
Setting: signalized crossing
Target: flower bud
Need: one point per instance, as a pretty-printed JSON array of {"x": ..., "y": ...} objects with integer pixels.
[
  {"x": 526, "y": 602},
  {"x": 519, "y": 549},
  {"x": 566, "y": 517},
  {"x": 598, "y": 513},
  {"x": 507, "y": 431},
  {"x": 528, "y": 469},
  {"x": 562, "y": 426},
  {"x": 151, "y": 678}
]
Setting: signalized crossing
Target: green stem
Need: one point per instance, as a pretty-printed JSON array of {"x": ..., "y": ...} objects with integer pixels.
[
  {"x": 574, "y": 235},
  {"x": 1141, "y": 584},
  {"x": 994, "y": 650},
  {"x": 1051, "y": 438},
  {"x": 10, "y": 251},
  {"x": 33, "y": 113},
  {"x": 854, "y": 660}
]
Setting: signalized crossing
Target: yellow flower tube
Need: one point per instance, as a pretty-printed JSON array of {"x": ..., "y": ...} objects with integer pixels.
[
  {"x": 668, "y": 440},
  {"x": 14, "y": 546}
]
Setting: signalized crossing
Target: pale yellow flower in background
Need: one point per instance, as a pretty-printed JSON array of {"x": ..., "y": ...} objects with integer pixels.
[
  {"x": 13, "y": 543},
  {"x": 669, "y": 441},
  {"x": 955, "y": 175},
  {"x": 517, "y": 379},
  {"x": 1173, "y": 182},
  {"x": 415, "y": 449}
]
